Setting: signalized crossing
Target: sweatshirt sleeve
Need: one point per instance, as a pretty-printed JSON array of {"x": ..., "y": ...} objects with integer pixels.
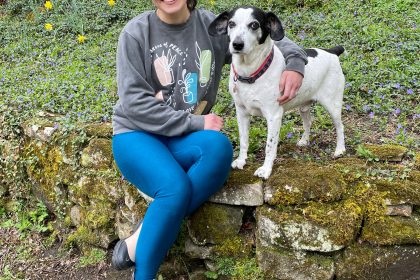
[
  {"x": 295, "y": 57},
  {"x": 137, "y": 97}
]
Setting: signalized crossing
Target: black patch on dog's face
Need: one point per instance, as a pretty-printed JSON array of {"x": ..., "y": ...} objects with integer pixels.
[
  {"x": 311, "y": 52},
  {"x": 259, "y": 15},
  {"x": 269, "y": 24}
]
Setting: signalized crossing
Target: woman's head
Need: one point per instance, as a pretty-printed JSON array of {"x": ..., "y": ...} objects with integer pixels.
[{"x": 174, "y": 11}]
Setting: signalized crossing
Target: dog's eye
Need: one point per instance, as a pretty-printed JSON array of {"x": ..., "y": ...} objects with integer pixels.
[
  {"x": 231, "y": 24},
  {"x": 254, "y": 25}
]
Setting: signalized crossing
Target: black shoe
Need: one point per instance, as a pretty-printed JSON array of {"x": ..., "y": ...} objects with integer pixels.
[{"x": 120, "y": 257}]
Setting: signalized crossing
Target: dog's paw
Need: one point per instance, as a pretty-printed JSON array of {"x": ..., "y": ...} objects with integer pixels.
[
  {"x": 303, "y": 143},
  {"x": 339, "y": 153},
  {"x": 263, "y": 172},
  {"x": 238, "y": 163}
]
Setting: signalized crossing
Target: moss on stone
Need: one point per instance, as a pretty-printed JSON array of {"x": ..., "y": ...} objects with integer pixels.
[
  {"x": 353, "y": 169},
  {"x": 387, "y": 152},
  {"x": 280, "y": 263},
  {"x": 241, "y": 177},
  {"x": 237, "y": 247},
  {"x": 82, "y": 236},
  {"x": 98, "y": 154},
  {"x": 364, "y": 262},
  {"x": 99, "y": 130},
  {"x": 47, "y": 169},
  {"x": 214, "y": 223},
  {"x": 100, "y": 214},
  {"x": 371, "y": 201},
  {"x": 315, "y": 226},
  {"x": 401, "y": 191},
  {"x": 297, "y": 182},
  {"x": 392, "y": 231}
]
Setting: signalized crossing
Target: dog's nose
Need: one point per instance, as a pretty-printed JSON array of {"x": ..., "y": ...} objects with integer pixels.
[{"x": 238, "y": 45}]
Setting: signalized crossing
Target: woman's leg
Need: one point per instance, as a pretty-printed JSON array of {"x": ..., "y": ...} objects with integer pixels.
[
  {"x": 146, "y": 162},
  {"x": 206, "y": 156}
]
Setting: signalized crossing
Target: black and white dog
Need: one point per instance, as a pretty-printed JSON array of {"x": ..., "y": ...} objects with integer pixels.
[{"x": 257, "y": 65}]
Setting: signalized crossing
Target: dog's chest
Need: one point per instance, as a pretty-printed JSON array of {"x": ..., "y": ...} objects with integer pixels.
[{"x": 255, "y": 97}]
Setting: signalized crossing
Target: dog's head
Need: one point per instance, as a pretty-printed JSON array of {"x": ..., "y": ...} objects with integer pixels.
[{"x": 247, "y": 27}]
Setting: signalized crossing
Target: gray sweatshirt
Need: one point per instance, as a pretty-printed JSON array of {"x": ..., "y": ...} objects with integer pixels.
[{"x": 182, "y": 62}]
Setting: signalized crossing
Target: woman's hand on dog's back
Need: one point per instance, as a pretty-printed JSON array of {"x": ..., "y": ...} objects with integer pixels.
[{"x": 213, "y": 122}]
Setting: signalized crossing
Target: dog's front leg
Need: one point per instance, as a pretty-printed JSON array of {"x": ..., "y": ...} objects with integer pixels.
[
  {"x": 273, "y": 126},
  {"x": 243, "y": 125}
]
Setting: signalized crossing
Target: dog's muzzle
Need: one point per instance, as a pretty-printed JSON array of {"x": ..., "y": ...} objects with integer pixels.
[{"x": 238, "y": 45}]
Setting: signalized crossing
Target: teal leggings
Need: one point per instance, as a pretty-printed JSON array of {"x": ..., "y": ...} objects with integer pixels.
[{"x": 180, "y": 173}]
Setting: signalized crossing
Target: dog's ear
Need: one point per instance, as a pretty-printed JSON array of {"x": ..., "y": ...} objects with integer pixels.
[
  {"x": 275, "y": 27},
  {"x": 219, "y": 24}
]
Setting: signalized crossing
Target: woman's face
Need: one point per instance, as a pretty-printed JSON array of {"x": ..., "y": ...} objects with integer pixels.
[{"x": 172, "y": 7}]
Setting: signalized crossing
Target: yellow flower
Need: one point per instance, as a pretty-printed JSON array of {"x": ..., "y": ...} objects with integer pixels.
[
  {"x": 81, "y": 39},
  {"x": 48, "y": 5},
  {"x": 48, "y": 26},
  {"x": 111, "y": 3}
]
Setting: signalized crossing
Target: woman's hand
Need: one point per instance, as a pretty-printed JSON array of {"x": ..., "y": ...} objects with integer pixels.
[
  {"x": 289, "y": 85},
  {"x": 213, "y": 122}
]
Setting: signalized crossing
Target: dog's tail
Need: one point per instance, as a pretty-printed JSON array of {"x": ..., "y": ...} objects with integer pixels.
[{"x": 338, "y": 50}]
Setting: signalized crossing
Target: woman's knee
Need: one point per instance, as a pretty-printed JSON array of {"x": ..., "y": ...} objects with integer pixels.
[
  {"x": 175, "y": 188},
  {"x": 219, "y": 146}
]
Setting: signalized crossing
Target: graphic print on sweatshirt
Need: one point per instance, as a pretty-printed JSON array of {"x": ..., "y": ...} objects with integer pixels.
[{"x": 183, "y": 74}]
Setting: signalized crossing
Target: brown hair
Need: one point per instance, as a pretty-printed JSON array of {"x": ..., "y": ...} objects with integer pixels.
[{"x": 191, "y": 4}]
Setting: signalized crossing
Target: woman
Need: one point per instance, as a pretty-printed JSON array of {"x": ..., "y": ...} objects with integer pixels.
[{"x": 167, "y": 65}]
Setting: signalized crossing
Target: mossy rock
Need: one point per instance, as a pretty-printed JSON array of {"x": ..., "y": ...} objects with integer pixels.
[
  {"x": 392, "y": 231},
  {"x": 214, "y": 223},
  {"x": 387, "y": 152},
  {"x": 102, "y": 130},
  {"x": 49, "y": 174},
  {"x": 364, "y": 262},
  {"x": 401, "y": 191},
  {"x": 99, "y": 186},
  {"x": 322, "y": 227},
  {"x": 278, "y": 263},
  {"x": 297, "y": 182},
  {"x": 98, "y": 154},
  {"x": 235, "y": 247},
  {"x": 85, "y": 237},
  {"x": 241, "y": 188},
  {"x": 353, "y": 169}
]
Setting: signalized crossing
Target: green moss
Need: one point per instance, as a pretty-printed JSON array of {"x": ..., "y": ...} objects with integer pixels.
[
  {"x": 401, "y": 190},
  {"x": 242, "y": 177},
  {"x": 392, "y": 231},
  {"x": 280, "y": 263},
  {"x": 364, "y": 262},
  {"x": 214, "y": 223},
  {"x": 352, "y": 169},
  {"x": 237, "y": 247},
  {"x": 46, "y": 168},
  {"x": 297, "y": 182},
  {"x": 99, "y": 130},
  {"x": 98, "y": 154},
  {"x": 99, "y": 214},
  {"x": 82, "y": 236},
  {"x": 371, "y": 201},
  {"x": 342, "y": 219},
  {"x": 387, "y": 152}
]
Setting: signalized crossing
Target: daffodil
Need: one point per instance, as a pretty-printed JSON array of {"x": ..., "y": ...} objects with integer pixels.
[
  {"x": 111, "y": 3},
  {"x": 81, "y": 39},
  {"x": 48, "y": 5},
  {"x": 48, "y": 26}
]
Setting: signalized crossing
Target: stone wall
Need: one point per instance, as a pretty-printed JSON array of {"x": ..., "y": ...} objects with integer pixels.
[{"x": 351, "y": 218}]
